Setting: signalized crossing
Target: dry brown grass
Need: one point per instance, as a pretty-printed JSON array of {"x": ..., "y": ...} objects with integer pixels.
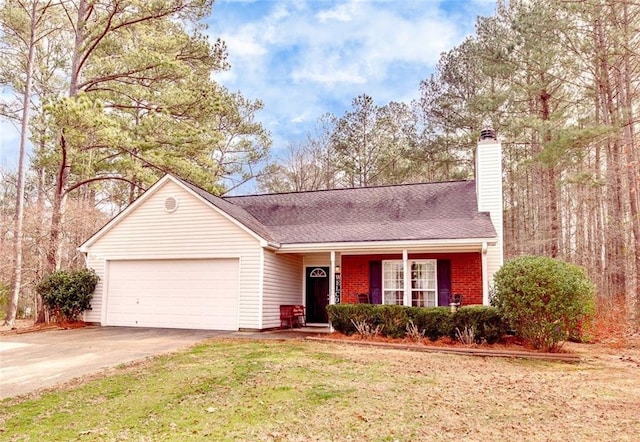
[{"x": 312, "y": 391}]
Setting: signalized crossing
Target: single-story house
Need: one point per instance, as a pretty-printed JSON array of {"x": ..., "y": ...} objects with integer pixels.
[{"x": 180, "y": 257}]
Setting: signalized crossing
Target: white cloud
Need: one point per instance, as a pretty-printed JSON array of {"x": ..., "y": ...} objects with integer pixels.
[
  {"x": 245, "y": 44},
  {"x": 373, "y": 43},
  {"x": 329, "y": 71},
  {"x": 304, "y": 59},
  {"x": 340, "y": 13},
  {"x": 304, "y": 116}
]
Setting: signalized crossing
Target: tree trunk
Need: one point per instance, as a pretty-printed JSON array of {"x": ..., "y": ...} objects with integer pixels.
[
  {"x": 57, "y": 211},
  {"x": 614, "y": 260},
  {"x": 42, "y": 259},
  {"x": 62, "y": 177},
  {"x": 627, "y": 88},
  {"x": 12, "y": 307}
]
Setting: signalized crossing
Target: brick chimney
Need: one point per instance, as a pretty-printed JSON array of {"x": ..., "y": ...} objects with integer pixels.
[{"x": 489, "y": 193}]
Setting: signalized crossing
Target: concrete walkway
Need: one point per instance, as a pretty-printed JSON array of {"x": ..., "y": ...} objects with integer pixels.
[{"x": 33, "y": 361}]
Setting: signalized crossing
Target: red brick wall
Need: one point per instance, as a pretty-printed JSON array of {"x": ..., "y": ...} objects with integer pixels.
[
  {"x": 355, "y": 275},
  {"x": 466, "y": 274}
]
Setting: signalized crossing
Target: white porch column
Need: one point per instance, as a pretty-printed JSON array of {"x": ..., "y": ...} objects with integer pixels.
[
  {"x": 407, "y": 277},
  {"x": 485, "y": 275},
  {"x": 332, "y": 279}
]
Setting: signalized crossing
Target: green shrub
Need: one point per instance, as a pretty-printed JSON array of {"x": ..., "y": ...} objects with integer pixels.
[
  {"x": 435, "y": 321},
  {"x": 341, "y": 315},
  {"x": 431, "y": 322},
  {"x": 392, "y": 320},
  {"x": 486, "y": 322},
  {"x": 543, "y": 299},
  {"x": 68, "y": 293}
]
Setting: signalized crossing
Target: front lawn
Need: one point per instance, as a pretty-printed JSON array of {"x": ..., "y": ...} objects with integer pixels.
[{"x": 312, "y": 391}]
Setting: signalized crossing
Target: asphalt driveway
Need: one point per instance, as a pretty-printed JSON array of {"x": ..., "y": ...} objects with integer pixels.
[{"x": 32, "y": 361}]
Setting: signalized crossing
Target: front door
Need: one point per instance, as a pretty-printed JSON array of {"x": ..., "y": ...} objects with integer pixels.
[{"x": 317, "y": 285}]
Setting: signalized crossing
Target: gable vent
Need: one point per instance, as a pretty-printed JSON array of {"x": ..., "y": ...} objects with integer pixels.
[{"x": 170, "y": 204}]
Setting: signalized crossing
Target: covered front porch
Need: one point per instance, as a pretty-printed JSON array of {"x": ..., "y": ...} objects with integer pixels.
[{"x": 426, "y": 276}]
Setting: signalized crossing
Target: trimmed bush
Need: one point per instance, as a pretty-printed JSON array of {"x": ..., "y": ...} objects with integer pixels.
[
  {"x": 392, "y": 320},
  {"x": 544, "y": 300},
  {"x": 432, "y": 322},
  {"x": 486, "y": 322},
  {"x": 340, "y": 316},
  {"x": 435, "y": 321},
  {"x": 68, "y": 293}
]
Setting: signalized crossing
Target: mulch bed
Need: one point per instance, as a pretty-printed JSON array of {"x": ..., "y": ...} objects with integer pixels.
[
  {"x": 22, "y": 327},
  {"x": 512, "y": 347}
]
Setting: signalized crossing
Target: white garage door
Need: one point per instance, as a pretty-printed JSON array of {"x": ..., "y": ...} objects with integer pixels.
[{"x": 184, "y": 293}]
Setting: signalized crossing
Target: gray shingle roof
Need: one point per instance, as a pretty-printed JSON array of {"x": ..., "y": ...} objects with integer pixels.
[{"x": 406, "y": 212}]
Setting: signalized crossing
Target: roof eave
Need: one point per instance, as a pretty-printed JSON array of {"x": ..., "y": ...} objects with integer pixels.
[
  {"x": 459, "y": 244},
  {"x": 84, "y": 247},
  {"x": 270, "y": 245}
]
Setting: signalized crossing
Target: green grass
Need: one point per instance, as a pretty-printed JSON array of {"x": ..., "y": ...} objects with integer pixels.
[{"x": 298, "y": 391}]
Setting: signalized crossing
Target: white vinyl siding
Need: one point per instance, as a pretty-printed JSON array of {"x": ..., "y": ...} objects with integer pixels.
[
  {"x": 282, "y": 285},
  {"x": 96, "y": 312},
  {"x": 317, "y": 260},
  {"x": 194, "y": 230}
]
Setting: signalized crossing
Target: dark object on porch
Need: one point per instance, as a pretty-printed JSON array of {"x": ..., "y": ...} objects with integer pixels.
[
  {"x": 292, "y": 316},
  {"x": 363, "y": 298},
  {"x": 456, "y": 299}
]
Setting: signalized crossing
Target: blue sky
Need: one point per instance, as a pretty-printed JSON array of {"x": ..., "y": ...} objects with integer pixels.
[{"x": 304, "y": 58}]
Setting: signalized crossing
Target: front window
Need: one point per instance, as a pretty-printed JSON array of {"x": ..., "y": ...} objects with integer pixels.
[
  {"x": 422, "y": 282},
  {"x": 392, "y": 282}
]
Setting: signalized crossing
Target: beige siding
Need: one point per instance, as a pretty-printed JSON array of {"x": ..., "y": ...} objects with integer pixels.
[
  {"x": 317, "y": 259},
  {"x": 283, "y": 276},
  {"x": 95, "y": 314},
  {"x": 194, "y": 230}
]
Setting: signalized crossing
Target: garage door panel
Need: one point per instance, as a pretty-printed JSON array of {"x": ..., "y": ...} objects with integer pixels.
[{"x": 174, "y": 293}]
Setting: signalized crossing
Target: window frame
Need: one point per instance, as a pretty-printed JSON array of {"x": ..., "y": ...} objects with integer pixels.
[{"x": 397, "y": 289}]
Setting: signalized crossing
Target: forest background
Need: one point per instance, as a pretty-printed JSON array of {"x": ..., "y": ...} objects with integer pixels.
[{"x": 114, "y": 94}]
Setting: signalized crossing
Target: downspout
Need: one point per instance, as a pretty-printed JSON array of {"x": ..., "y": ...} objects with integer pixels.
[{"x": 485, "y": 275}]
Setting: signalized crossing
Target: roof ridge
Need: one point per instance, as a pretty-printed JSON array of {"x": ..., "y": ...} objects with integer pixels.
[
  {"x": 382, "y": 186},
  {"x": 437, "y": 210}
]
